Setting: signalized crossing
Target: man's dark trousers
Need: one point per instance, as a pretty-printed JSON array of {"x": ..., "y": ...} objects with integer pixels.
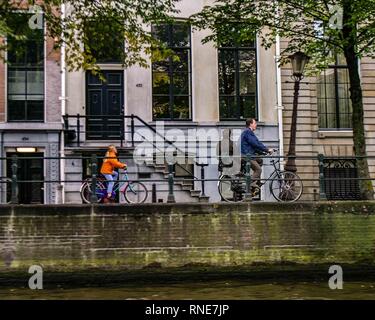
[{"x": 256, "y": 166}]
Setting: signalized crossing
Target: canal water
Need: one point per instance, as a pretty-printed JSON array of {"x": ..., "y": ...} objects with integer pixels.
[{"x": 212, "y": 290}]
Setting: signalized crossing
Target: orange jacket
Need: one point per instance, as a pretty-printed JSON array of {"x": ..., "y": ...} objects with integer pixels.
[{"x": 110, "y": 163}]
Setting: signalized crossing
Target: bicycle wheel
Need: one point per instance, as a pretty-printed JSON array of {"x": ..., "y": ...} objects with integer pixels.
[
  {"x": 286, "y": 187},
  {"x": 230, "y": 190},
  {"x": 5, "y": 190},
  {"x": 85, "y": 191},
  {"x": 135, "y": 192}
]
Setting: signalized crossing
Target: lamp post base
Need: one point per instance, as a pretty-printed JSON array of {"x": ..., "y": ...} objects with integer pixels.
[{"x": 291, "y": 165}]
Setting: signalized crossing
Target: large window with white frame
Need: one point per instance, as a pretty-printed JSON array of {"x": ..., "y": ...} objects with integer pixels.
[{"x": 25, "y": 75}]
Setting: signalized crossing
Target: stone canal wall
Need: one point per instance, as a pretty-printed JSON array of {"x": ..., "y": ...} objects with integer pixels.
[{"x": 226, "y": 237}]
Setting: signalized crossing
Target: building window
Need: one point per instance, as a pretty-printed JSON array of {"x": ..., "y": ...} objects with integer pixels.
[
  {"x": 334, "y": 104},
  {"x": 237, "y": 81},
  {"x": 171, "y": 78},
  {"x": 25, "y": 72}
]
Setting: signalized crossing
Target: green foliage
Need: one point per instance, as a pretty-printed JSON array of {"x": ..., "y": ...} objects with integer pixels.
[
  {"x": 320, "y": 28},
  {"x": 309, "y": 25},
  {"x": 97, "y": 31}
]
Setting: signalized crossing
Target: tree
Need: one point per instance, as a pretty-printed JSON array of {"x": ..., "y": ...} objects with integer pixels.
[
  {"x": 316, "y": 27},
  {"x": 5, "y": 11},
  {"x": 91, "y": 27}
]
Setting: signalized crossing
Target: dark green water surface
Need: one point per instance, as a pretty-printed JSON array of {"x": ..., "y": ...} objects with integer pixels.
[{"x": 225, "y": 289}]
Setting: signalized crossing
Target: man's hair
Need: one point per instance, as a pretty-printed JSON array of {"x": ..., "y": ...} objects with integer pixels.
[{"x": 250, "y": 121}]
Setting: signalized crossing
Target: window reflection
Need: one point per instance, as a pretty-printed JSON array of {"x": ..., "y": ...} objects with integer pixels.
[
  {"x": 237, "y": 81},
  {"x": 25, "y": 71},
  {"x": 334, "y": 104},
  {"x": 171, "y": 77}
]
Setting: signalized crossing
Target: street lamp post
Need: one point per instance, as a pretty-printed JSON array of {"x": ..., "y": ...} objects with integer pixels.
[{"x": 298, "y": 61}]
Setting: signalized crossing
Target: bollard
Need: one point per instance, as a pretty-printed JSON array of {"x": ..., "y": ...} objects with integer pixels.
[
  {"x": 322, "y": 187},
  {"x": 202, "y": 165},
  {"x": 171, "y": 197},
  {"x": 14, "y": 197},
  {"x": 78, "y": 130},
  {"x": 248, "y": 195},
  {"x": 66, "y": 122},
  {"x": 94, "y": 169},
  {"x": 122, "y": 138},
  {"x": 153, "y": 193},
  {"x": 132, "y": 125}
]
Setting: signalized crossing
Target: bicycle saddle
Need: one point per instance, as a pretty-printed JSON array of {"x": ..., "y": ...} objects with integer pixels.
[{"x": 101, "y": 176}]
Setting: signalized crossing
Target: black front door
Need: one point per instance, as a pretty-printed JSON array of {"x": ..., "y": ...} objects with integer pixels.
[
  {"x": 28, "y": 170},
  {"x": 105, "y": 100}
]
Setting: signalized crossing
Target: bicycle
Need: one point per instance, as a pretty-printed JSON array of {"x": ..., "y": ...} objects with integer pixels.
[
  {"x": 134, "y": 191},
  {"x": 285, "y": 186}
]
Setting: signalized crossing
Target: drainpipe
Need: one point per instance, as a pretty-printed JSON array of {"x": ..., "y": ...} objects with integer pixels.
[
  {"x": 279, "y": 101},
  {"x": 63, "y": 109}
]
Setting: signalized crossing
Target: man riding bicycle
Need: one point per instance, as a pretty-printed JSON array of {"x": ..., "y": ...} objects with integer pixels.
[
  {"x": 110, "y": 163},
  {"x": 250, "y": 145}
]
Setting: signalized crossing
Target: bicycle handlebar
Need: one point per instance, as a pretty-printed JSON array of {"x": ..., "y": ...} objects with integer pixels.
[
  {"x": 274, "y": 151},
  {"x": 270, "y": 153}
]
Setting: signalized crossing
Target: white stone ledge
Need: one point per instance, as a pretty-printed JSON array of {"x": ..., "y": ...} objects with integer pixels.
[{"x": 335, "y": 134}]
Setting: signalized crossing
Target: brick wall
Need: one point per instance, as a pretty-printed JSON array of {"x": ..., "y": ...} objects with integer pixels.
[
  {"x": 368, "y": 90},
  {"x": 134, "y": 241},
  {"x": 53, "y": 83}
]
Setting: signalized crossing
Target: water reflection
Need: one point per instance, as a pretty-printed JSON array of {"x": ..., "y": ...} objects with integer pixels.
[{"x": 210, "y": 290}]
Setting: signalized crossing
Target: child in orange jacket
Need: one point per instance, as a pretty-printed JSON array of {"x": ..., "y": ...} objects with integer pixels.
[{"x": 110, "y": 163}]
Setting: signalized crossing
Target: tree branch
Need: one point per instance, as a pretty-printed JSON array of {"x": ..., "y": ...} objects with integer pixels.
[
  {"x": 304, "y": 34},
  {"x": 317, "y": 14},
  {"x": 366, "y": 46}
]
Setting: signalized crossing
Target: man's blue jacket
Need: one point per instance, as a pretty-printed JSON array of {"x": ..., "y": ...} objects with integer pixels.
[{"x": 250, "y": 143}]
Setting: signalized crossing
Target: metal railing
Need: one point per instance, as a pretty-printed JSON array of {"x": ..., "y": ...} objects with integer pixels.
[
  {"x": 74, "y": 129},
  {"x": 76, "y": 125},
  {"x": 75, "y": 134},
  {"x": 324, "y": 179}
]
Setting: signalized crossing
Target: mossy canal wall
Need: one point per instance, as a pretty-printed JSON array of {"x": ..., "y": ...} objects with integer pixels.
[{"x": 209, "y": 238}]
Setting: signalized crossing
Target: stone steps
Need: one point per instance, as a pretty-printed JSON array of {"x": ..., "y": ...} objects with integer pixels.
[
  {"x": 187, "y": 186},
  {"x": 184, "y": 190}
]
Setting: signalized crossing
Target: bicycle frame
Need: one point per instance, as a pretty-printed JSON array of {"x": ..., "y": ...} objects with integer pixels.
[
  {"x": 237, "y": 184},
  {"x": 272, "y": 176},
  {"x": 276, "y": 172},
  {"x": 119, "y": 184}
]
